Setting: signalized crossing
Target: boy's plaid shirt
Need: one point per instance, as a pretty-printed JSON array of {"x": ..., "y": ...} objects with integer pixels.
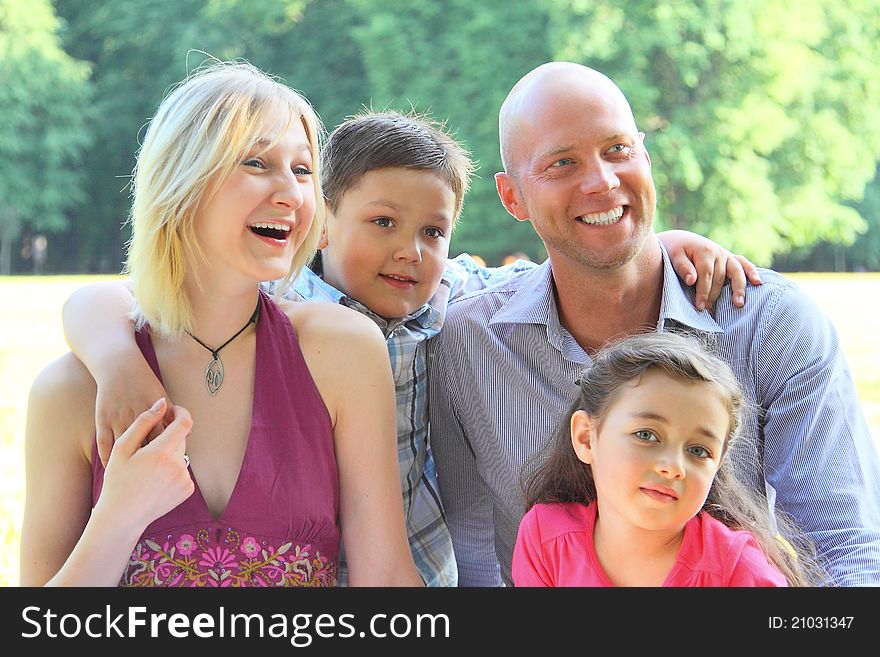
[{"x": 406, "y": 338}]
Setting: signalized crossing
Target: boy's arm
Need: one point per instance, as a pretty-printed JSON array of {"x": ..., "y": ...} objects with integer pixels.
[
  {"x": 698, "y": 260},
  {"x": 99, "y": 333}
]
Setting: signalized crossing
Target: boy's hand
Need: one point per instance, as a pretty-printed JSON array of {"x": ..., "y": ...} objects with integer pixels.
[
  {"x": 122, "y": 394},
  {"x": 147, "y": 482},
  {"x": 699, "y": 260}
]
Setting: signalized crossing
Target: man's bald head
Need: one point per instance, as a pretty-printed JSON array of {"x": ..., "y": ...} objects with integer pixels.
[{"x": 541, "y": 86}]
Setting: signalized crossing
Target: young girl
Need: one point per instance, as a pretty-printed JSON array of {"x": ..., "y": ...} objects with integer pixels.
[
  {"x": 636, "y": 490},
  {"x": 272, "y": 460}
]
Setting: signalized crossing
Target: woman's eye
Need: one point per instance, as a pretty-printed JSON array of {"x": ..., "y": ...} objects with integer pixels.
[
  {"x": 644, "y": 434},
  {"x": 302, "y": 171},
  {"x": 433, "y": 232},
  {"x": 254, "y": 162}
]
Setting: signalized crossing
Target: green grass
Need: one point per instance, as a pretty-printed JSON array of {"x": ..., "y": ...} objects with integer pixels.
[{"x": 31, "y": 336}]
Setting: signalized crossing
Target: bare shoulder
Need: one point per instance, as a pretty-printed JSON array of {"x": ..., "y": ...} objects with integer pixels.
[
  {"x": 344, "y": 350},
  {"x": 318, "y": 325},
  {"x": 63, "y": 395}
]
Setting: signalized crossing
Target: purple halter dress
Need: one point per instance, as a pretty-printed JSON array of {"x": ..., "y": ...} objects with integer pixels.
[{"x": 280, "y": 526}]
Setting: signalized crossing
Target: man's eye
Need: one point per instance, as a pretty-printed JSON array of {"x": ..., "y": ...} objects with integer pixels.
[
  {"x": 621, "y": 149},
  {"x": 433, "y": 232},
  {"x": 563, "y": 162}
]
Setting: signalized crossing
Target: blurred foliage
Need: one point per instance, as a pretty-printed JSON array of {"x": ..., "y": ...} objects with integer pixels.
[
  {"x": 762, "y": 116},
  {"x": 44, "y": 124}
]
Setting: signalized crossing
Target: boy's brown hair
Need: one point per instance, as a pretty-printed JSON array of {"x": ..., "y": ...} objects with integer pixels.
[{"x": 377, "y": 140}]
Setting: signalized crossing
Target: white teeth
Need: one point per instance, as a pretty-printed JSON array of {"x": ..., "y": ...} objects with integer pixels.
[
  {"x": 273, "y": 226},
  {"x": 603, "y": 218},
  {"x": 399, "y": 278}
]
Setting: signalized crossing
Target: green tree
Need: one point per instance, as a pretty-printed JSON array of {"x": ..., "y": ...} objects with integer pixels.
[
  {"x": 761, "y": 116},
  {"x": 44, "y": 125},
  {"x": 138, "y": 51}
]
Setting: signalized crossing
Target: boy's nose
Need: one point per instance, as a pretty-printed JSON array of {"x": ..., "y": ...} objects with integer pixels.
[{"x": 409, "y": 251}]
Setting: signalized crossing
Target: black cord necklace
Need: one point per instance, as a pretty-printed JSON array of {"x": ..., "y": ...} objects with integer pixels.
[{"x": 214, "y": 373}]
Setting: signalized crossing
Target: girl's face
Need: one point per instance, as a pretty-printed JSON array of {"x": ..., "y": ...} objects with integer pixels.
[
  {"x": 656, "y": 451},
  {"x": 262, "y": 212}
]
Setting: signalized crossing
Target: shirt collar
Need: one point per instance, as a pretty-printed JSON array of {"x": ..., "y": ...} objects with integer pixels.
[
  {"x": 310, "y": 285},
  {"x": 534, "y": 302},
  {"x": 677, "y": 303}
]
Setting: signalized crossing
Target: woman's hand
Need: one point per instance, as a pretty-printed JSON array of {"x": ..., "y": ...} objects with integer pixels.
[{"x": 143, "y": 483}]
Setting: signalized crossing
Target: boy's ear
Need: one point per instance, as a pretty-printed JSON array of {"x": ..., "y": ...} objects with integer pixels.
[
  {"x": 323, "y": 242},
  {"x": 511, "y": 200},
  {"x": 582, "y": 434}
]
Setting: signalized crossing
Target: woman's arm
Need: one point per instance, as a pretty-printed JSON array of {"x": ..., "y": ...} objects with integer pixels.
[
  {"x": 64, "y": 542},
  {"x": 99, "y": 332},
  {"x": 349, "y": 362}
]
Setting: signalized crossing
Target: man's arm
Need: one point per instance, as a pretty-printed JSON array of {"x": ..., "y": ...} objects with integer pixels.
[
  {"x": 818, "y": 453},
  {"x": 466, "y": 500},
  {"x": 99, "y": 332}
]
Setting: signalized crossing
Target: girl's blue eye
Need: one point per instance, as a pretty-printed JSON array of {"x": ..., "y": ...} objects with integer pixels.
[
  {"x": 644, "y": 434},
  {"x": 700, "y": 452}
]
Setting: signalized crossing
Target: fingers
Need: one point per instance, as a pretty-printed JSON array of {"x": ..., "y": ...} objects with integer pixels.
[
  {"x": 751, "y": 270},
  {"x": 737, "y": 275},
  {"x": 173, "y": 437},
  {"x": 135, "y": 435},
  {"x": 683, "y": 266},
  {"x": 718, "y": 276},
  {"x": 705, "y": 266}
]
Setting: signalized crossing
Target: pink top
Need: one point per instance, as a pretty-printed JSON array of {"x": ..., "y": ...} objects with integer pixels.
[
  {"x": 555, "y": 548},
  {"x": 280, "y": 525}
]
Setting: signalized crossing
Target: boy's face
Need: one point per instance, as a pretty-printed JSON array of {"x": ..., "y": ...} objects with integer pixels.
[{"x": 387, "y": 243}]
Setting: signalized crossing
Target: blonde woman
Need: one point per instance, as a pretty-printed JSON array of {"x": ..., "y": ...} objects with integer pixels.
[{"x": 284, "y": 442}]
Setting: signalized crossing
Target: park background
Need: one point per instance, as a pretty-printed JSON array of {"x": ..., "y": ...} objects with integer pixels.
[{"x": 762, "y": 119}]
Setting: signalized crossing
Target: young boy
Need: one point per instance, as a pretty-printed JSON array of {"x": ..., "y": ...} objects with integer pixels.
[{"x": 394, "y": 186}]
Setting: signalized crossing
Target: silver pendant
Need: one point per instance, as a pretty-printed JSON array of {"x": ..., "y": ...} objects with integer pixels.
[{"x": 214, "y": 375}]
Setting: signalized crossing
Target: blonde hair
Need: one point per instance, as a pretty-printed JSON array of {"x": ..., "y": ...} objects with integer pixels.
[
  {"x": 200, "y": 133},
  {"x": 558, "y": 476}
]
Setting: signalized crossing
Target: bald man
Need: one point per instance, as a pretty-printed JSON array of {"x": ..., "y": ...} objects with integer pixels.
[{"x": 504, "y": 366}]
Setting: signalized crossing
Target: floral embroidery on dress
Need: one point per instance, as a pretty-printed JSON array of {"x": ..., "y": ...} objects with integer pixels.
[{"x": 228, "y": 560}]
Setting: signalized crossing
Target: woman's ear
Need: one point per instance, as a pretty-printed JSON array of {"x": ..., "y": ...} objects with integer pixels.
[{"x": 582, "y": 434}]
